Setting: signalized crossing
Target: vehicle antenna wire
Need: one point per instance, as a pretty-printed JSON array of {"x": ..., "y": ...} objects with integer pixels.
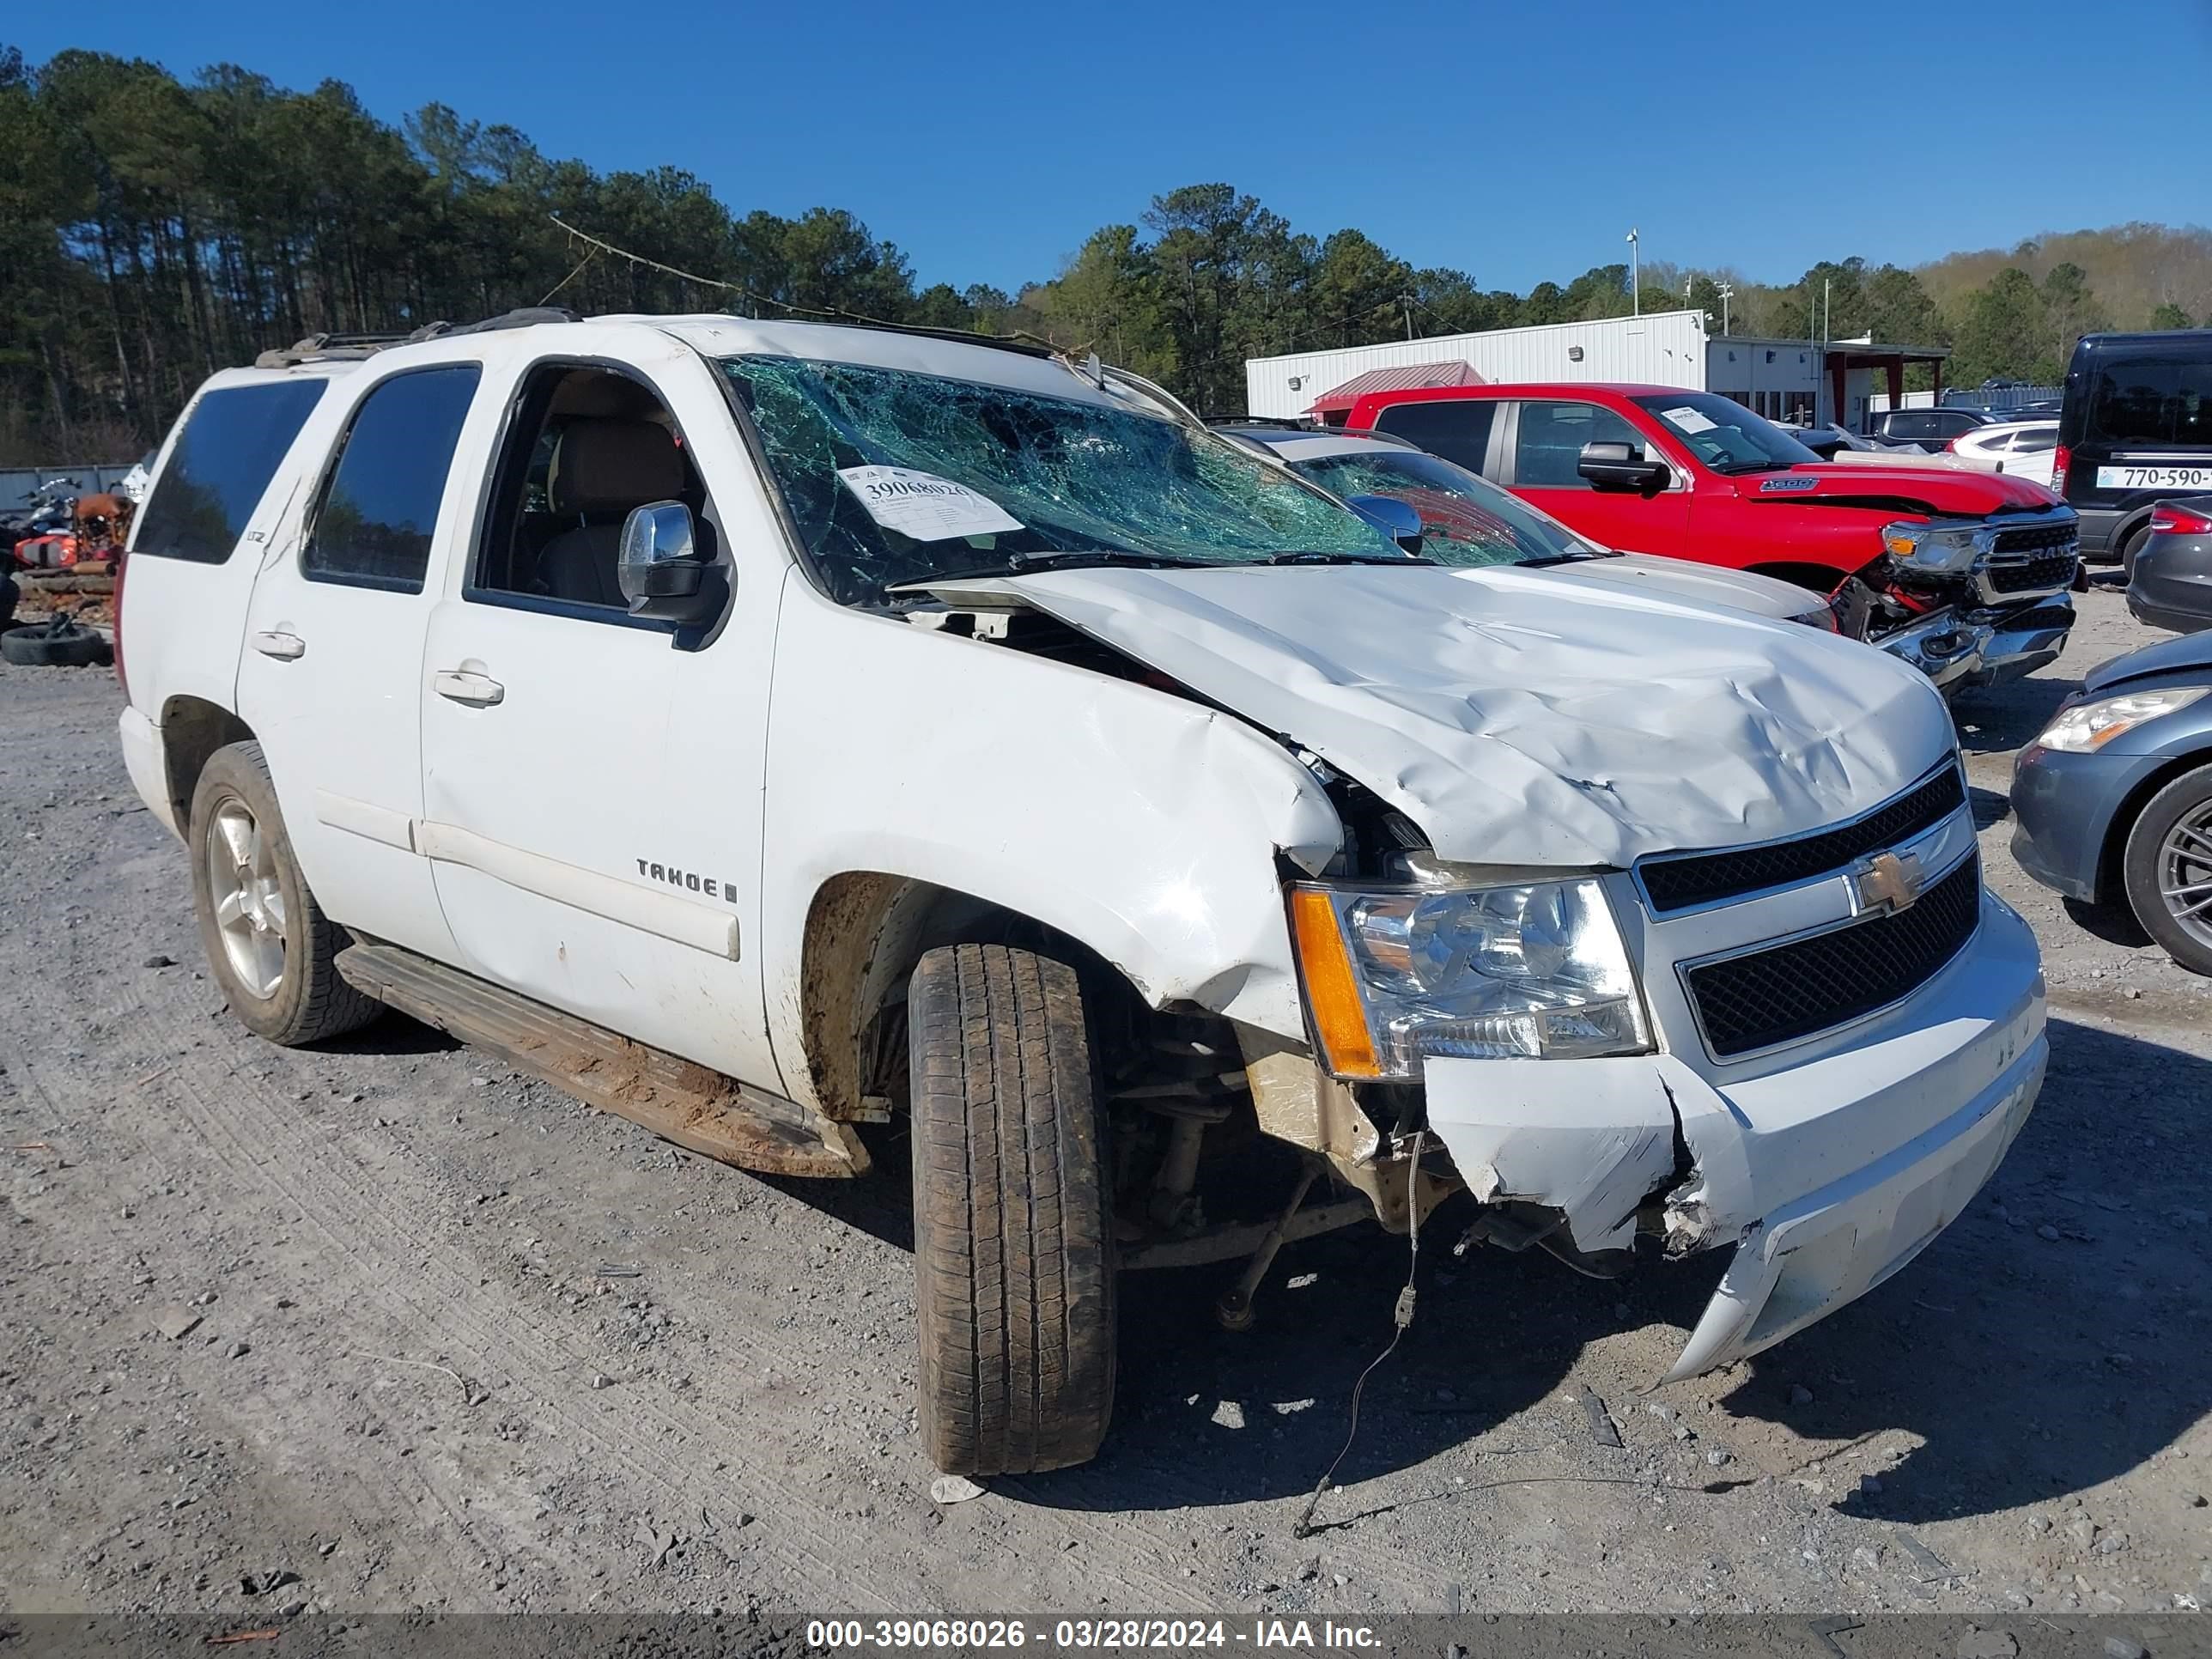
[
  {"x": 1401, "y": 1316},
  {"x": 828, "y": 314}
]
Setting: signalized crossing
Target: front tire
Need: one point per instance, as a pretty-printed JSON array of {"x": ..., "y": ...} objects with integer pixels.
[
  {"x": 2166, "y": 867},
  {"x": 273, "y": 950},
  {"x": 1013, "y": 1227}
]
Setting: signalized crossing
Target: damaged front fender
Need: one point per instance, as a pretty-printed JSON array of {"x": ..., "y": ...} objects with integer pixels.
[{"x": 1144, "y": 825}]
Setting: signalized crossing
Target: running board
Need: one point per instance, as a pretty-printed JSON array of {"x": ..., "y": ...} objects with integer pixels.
[{"x": 699, "y": 1109}]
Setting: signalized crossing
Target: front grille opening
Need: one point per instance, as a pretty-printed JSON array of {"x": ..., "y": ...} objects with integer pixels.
[
  {"x": 1768, "y": 997},
  {"x": 1676, "y": 883},
  {"x": 2042, "y": 539},
  {"x": 2043, "y": 570}
]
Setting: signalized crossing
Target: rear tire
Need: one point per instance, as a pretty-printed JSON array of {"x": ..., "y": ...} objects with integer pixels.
[
  {"x": 1012, "y": 1229},
  {"x": 2170, "y": 848},
  {"x": 271, "y": 948}
]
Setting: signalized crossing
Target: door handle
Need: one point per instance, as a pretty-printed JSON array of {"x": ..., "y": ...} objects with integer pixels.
[
  {"x": 480, "y": 690},
  {"x": 285, "y": 647}
]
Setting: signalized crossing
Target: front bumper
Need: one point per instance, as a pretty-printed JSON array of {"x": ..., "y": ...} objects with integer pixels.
[
  {"x": 2063, "y": 807},
  {"x": 1828, "y": 1166},
  {"x": 1961, "y": 649},
  {"x": 1806, "y": 1258}
]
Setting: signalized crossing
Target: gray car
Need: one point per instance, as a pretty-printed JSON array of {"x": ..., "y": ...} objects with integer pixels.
[
  {"x": 2170, "y": 585},
  {"x": 2113, "y": 803},
  {"x": 1466, "y": 520}
]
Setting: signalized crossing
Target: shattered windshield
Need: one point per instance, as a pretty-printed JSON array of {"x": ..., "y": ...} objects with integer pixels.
[
  {"x": 894, "y": 476},
  {"x": 1465, "y": 519}
]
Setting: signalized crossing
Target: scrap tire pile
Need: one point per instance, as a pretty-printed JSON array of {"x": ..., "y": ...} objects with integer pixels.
[{"x": 57, "y": 644}]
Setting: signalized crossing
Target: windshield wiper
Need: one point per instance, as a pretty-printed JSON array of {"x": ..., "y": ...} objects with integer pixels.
[
  {"x": 1551, "y": 559},
  {"x": 1342, "y": 558},
  {"x": 1734, "y": 468},
  {"x": 1024, "y": 564}
]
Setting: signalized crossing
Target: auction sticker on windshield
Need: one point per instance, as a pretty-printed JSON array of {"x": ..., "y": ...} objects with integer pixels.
[
  {"x": 2154, "y": 478},
  {"x": 924, "y": 505},
  {"x": 1686, "y": 419}
]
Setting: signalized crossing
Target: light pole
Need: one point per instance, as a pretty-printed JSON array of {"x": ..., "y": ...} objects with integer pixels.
[
  {"x": 1635, "y": 275},
  {"x": 1726, "y": 290}
]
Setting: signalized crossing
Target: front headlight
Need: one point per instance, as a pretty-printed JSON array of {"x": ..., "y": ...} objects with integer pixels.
[
  {"x": 1393, "y": 974},
  {"x": 2087, "y": 727},
  {"x": 1933, "y": 549}
]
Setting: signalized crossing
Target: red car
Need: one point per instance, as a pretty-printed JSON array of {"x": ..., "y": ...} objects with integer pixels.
[{"x": 1966, "y": 574}]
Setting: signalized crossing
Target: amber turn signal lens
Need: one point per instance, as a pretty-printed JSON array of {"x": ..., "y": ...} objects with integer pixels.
[{"x": 1332, "y": 993}]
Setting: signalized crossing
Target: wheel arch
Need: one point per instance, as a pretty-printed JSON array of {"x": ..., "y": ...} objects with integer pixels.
[
  {"x": 2112, "y": 850},
  {"x": 865, "y": 931},
  {"x": 192, "y": 729}
]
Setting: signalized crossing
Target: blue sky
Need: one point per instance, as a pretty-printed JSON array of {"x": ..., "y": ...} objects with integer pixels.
[{"x": 1517, "y": 142}]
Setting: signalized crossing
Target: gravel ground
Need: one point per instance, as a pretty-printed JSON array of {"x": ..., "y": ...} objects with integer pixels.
[{"x": 382, "y": 1326}]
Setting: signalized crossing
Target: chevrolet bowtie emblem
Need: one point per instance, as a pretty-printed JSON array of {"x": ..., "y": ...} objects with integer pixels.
[{"x": 1885, "y": 882}]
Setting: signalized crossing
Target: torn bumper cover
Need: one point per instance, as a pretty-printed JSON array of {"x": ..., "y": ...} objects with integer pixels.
[
  {"x": 1960, "y": 650},
  {"x": 1828, "y": 1174}
]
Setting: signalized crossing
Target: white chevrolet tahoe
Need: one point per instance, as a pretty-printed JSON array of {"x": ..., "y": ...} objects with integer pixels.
[{"x": 768, "y": 730}]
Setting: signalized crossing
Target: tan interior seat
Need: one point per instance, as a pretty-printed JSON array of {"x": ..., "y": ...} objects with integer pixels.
[{"x": 602, "y": 470}]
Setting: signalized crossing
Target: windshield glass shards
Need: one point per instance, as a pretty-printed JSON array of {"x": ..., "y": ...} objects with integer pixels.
[{"x": 894, "y": 476}]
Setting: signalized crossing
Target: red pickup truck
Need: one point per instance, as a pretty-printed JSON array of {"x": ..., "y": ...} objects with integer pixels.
[{"x": 1966, "y": 574}]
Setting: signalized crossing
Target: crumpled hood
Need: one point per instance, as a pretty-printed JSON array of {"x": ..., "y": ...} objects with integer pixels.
[
  {"x": 1944, "y": 491},
  {"x": 1519, "y": 719}
]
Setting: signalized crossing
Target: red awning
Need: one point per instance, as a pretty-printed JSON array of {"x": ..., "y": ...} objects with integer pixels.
[{"x": 1338, "y": 400}]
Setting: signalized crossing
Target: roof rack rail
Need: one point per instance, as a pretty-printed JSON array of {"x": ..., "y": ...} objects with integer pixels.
[
  {"x": 336, "y": 347},
  {"x": 326, "y": 347},
  {"x": 520, "y": 316}
]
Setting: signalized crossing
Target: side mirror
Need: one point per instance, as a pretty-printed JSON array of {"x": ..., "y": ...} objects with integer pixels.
[
  {"x": 1394, "y": 517},
  {"x": 660, "y": 569},
  {"x": 1620, "y": 467}
]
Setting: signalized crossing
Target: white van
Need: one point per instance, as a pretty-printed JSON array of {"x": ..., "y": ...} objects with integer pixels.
[{"x": 768, "y": 730}]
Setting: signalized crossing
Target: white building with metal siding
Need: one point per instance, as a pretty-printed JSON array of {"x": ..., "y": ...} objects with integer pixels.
[
  {"x": 1782, "y": 380},
  {"x": 1667, "y": 350}
]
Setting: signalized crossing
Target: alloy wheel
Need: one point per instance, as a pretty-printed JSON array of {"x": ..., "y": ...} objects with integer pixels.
[
  {"x": 2184, "y": 872},
  {"x": 249, "y": 900}
]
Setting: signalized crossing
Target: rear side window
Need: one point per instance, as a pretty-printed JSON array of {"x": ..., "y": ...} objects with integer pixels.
[
  {"x": 219, "y": 467},
  {"x": 2153, "y": 401},
  {"x": 372, "y": 528},
  {"x": 1457, "y": 430}
]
